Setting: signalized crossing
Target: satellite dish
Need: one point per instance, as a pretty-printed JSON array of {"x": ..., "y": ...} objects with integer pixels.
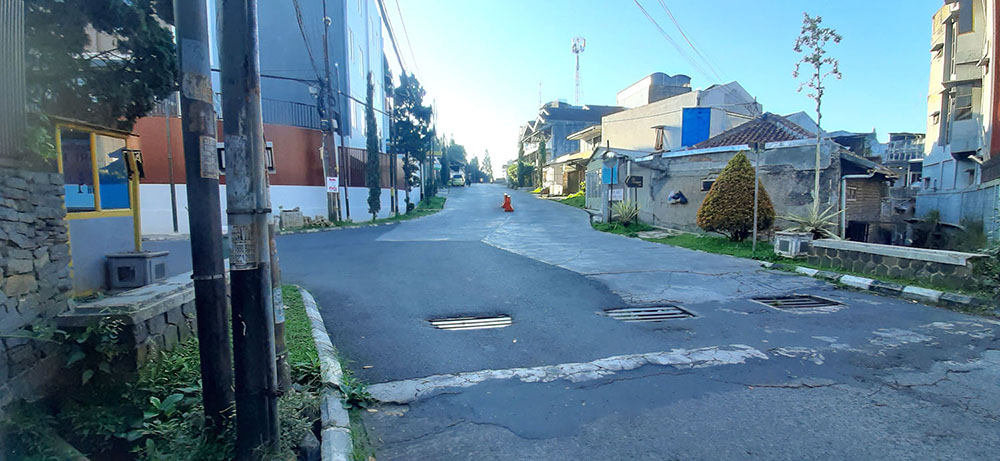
[{"x": 579, "y": 43}]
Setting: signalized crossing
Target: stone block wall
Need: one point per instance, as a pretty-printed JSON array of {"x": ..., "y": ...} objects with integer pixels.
[
  {"x": 876, "y": 265},
  {"x": 34, "y": 275},
  {"x": 156, "y": 317}
]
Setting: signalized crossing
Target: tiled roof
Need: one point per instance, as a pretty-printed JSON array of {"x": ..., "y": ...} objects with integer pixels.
[{"x": 768, "y": 128}]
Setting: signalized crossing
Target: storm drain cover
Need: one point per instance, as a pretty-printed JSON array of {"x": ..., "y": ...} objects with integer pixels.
[
  {"x": 471, "y": 323},
  {"x": 797, "y": 302},
  {"x": 648, "y": 314}
]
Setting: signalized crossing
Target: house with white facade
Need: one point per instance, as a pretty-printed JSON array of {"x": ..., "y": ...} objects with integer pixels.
[{"x": 961, "y": 172}]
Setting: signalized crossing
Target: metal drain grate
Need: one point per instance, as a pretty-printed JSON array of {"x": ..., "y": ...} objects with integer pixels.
[
  {"x": 797, "y": 302},
  {"x": 648, "y": 314},
  {"x": 471, "y": 323}
]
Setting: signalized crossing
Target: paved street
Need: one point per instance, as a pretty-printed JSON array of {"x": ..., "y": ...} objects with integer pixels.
[{"x": 874, "y": 378}]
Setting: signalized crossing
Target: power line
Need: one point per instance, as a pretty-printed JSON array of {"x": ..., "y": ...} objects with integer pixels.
[
  {"x": 305, "y": 39},
  {"x": 392, "y": 37},
  {"x": 671, "y": 40},
  {"x": 406, "y": 35},
  {"x": 688, "y": 40}
]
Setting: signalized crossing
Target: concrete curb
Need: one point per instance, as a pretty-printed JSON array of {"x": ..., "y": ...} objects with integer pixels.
[
  {"x": 336, "y": 430},
  {"x": 925, "y": 295}
]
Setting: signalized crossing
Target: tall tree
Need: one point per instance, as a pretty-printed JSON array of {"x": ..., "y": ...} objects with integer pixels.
[
  {"x": 113, "y": 86},
  {"x": 540, "y": 160},
  {"x": 473, "y": 173},
  {"x": 520, "y": 164},
  {"x": 488, "y": 166},
  {"x": 445, "y": 163},
  {"x": 411, "y": 126},
  {"x": 812, "y": 42},
  {"x": 373, "y": 175}
]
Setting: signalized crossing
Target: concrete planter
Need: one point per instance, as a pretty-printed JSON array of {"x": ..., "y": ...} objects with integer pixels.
[{"x": 792, "y": 244}]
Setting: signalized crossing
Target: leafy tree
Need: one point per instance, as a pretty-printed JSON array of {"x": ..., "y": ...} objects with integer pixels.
[
  {"x": 512, "y": 179},
  {"x": 488, "y": 167},
  {"x": 812, "y": 41},
  {"x": 110, "y": 87},
  {"x": 520, "y": 164},
  {"x": 445, "y": 164},
  {"x": 542, "y": 154},
  {"x": 411, "y": 126},
  {"x": 728, "y": 206},
  {"x": 373, "y": 175},
  {"x": 472, "y": 172}
]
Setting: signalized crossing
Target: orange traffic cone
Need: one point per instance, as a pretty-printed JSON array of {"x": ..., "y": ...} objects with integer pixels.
[{"x": 506, "y": 204}]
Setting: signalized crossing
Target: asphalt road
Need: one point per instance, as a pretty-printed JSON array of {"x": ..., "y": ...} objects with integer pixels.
[{"x": 871, "y": 378}]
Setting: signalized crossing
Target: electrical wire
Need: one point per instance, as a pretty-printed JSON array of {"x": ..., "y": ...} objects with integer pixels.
[
  {"x": 305, "y": 39},
  {"x": 406, "y": 35}
]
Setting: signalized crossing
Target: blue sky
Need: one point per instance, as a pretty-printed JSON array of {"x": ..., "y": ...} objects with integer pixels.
[{"x": 482, "y": 60}]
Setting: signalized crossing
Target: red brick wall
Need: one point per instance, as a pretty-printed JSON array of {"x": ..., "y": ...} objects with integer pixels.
[{"x": 296, "y": 152}]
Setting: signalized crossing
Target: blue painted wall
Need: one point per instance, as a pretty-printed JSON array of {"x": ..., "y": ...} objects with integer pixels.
[
  {"x": 695, "y": 124},
  {"x": 91, "y": 239}
]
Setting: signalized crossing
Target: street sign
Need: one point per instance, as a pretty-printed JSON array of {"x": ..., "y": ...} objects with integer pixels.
[
  {"x": 633, "y": 181},
  {"x": 332, "y": 183}
]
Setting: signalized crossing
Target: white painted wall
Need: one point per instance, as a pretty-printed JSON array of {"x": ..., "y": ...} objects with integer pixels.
[{"x": 311, "y": 200}]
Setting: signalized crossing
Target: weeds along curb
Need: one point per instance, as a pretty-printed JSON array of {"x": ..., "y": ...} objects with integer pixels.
[
  {"x": 913, "y": 293},
  {"x": 336, "y": 431}
]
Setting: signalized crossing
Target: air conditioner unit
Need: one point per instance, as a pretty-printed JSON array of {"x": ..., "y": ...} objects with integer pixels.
[{"x": 792, "y": 244}]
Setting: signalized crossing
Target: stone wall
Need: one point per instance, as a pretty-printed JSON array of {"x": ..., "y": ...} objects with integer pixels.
[
  {"x": 943, "y": 268},
  {"x": 34, "y": 276},
  {"x": 156, "y": 317}
]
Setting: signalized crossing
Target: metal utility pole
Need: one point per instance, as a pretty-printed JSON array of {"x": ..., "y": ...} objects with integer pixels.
[
  {"x": 170, "y": 164},
  {"x": 249, "y": 206},
  {"x": 201, "y": 167},
  {"x": 756, "y": 189},
  {"x": 343, "y": 149},
  {"x": 332, "y": 199}
]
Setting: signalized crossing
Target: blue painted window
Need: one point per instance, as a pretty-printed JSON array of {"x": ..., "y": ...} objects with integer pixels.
[{"x": 695, "y": 123}]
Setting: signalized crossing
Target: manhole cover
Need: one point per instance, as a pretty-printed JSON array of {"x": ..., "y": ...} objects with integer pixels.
[
  {"x": 648, "y": 314},
  {"x": 797, "y": 302},
  {"x": 471, "y": 323}
]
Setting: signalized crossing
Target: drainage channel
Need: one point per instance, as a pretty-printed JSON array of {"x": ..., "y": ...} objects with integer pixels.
[
  {"x": 648, "y": 313},
  {"x": 471, "y": 323},
  {"x": 797, "y": 301}
]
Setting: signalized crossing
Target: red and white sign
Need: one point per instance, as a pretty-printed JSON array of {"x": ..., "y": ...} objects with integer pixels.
[{"x": 332, "y": 183}]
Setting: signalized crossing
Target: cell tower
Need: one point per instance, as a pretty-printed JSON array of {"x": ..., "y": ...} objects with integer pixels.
[{"x": 579, "y": 43}]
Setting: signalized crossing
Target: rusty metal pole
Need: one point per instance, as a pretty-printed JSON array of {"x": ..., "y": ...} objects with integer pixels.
[
  {"x": 201, "y": 167},
  {"x": 249, "y": 207},
  {"x": 280, "y": 349}
]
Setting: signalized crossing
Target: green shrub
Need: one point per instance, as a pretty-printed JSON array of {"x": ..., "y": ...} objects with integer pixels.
[{"x": 728, "y": 207}]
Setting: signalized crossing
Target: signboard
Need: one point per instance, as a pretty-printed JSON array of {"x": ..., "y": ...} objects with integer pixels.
[
  {"x": 332, "y": 183},
  {"x": 633, "y": 181},
  {"x": 609, "y": 175},
  {"x": 617, "y": 194}
]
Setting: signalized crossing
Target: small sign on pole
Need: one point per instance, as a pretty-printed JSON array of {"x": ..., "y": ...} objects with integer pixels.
[
  {"x": 617, "y": 194},
  {"x": 332, "y": 183},
  {"x": 633, "y": 181}
]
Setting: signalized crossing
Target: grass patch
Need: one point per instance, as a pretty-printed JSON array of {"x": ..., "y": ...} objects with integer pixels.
[
  {"x": 724, "y": 246},
  {"x": 765, "y": 252},
  {"x": 361, "y": 444},
  {"x": 298, "y": 328},
  {"x": 157, "y": 413},
  {"x": 578, "y": 200},
  {"x": 628, "y": 230},
  {"x": 423, "y": 208}
]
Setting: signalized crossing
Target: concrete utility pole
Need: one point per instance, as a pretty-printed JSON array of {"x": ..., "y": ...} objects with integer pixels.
[
  {"x": 249, "y": 206},
  {"x": 201, "y": 167},
  {"x": 756, "y": 147},
  {"x": 332, "y": 199},
  {"x": 347, "y": 158}
]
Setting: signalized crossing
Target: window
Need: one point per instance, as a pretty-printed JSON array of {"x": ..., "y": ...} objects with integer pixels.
[
  {"x": 78, "y": 173},
  {"x": 220, "y": 149},
  {"x": 350, "y": 44},
  {"x": 852, "y": 194},
  {"x": 965, "y": 13},
  {"x": 86, "y": 154},
  {"x": 706, "y": 184},
  {"x": 962, "y": 102}
]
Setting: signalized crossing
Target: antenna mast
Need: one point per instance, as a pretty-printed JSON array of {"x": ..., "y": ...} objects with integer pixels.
[{"x": 579, "y": 43}]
